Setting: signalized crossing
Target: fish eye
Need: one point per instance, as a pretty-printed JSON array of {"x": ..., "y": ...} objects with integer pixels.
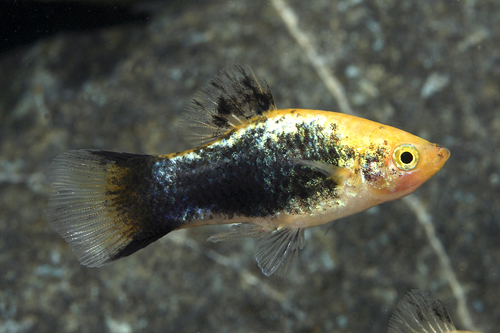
[{"x": 406, "y": 157}]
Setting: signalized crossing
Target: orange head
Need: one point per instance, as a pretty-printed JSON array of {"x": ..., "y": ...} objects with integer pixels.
[{"x": 409, "y": 161}]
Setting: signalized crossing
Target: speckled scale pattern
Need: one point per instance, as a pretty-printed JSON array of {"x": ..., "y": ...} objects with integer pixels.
[{"x": 249, "y": 173}]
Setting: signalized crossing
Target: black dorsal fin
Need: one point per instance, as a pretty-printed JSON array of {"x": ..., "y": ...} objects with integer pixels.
[{"x": 230, "y": 99}]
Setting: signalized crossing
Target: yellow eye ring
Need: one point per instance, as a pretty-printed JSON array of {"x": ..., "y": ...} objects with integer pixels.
[{"x": 406, "y": 157}]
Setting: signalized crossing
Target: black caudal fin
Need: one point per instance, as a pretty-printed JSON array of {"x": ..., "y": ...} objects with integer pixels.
[
  {"x": 231, "y": 99},
  {"x": 101, "y": 204}
]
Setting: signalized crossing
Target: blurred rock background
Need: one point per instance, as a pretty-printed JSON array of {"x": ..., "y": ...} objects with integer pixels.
[{"x": 116, "y": 75}]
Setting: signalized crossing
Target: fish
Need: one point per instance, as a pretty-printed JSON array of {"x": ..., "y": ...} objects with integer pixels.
[
  {"x": 269, "y": 172},
  {"x": 419, "y": 312}
]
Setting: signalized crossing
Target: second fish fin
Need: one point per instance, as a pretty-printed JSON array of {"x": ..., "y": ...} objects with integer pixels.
[{"x": 420, "y": 312}]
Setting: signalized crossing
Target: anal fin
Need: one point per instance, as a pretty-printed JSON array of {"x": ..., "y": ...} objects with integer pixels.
[{"x": 276, "y": 250}]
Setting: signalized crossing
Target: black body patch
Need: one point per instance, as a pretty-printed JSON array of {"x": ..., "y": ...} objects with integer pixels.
[{"x": 255, "y": 176}]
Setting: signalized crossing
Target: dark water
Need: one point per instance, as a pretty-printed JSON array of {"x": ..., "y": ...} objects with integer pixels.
[{"x": 428, "y": 67}]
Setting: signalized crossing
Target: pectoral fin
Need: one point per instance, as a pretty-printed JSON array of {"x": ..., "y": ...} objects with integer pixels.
[{"x": 338, "y": 174}]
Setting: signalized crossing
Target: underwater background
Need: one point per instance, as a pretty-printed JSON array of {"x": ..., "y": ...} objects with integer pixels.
[{"x": 116, "y": 75}]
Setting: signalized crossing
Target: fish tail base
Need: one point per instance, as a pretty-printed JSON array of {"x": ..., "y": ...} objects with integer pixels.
[{"x": 102, "y": 205}]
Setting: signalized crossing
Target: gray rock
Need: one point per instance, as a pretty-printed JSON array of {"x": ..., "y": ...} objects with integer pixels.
[{"x": 123, "y": 88}]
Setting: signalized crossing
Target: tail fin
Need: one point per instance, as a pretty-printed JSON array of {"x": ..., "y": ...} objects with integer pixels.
[{"x": 100, "y": 204}]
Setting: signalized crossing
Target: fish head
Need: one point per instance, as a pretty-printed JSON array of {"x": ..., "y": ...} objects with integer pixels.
[{"x": 408, "y": 162}]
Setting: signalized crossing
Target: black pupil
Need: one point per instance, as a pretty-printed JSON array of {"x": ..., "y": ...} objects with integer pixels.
[{"x": 406, "y": 157}]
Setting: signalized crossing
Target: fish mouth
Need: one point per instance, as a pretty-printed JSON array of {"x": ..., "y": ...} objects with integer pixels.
[
  {"x": 443, "y": 155},
  {"x": 434, "y": 158}
]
